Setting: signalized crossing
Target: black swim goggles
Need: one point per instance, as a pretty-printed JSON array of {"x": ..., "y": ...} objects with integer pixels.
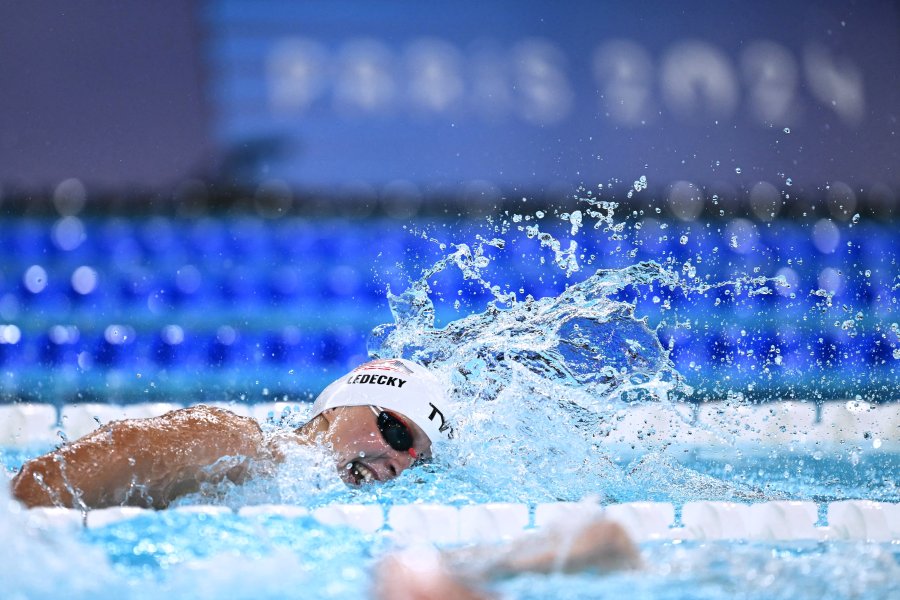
[{"x": 395, "y": 431}]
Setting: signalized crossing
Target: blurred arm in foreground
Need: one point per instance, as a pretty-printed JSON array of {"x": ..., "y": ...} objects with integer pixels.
[{"x": 597, "y": 544}]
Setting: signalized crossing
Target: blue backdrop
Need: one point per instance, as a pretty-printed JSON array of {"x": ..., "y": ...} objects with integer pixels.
[{"x": 531, "y": 93}]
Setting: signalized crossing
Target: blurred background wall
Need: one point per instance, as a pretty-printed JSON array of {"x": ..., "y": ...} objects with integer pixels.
[
  {"x": 108, "y": 92},
  {"x": 475, "y": 98}
]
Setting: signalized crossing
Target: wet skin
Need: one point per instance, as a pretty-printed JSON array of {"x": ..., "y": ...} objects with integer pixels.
[
  {"x": 361, "y": 453},
  {"x": 143, "y": 462},
  {"x": 150, "y": 462}
]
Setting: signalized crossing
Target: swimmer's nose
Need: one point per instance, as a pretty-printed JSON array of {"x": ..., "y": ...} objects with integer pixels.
[
  {"x": 397, "y": 463},
  {"x": 385, "y": 468}
]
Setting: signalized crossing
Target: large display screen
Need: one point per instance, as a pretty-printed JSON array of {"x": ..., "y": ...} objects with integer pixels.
[{"x": 529, "y": 94}]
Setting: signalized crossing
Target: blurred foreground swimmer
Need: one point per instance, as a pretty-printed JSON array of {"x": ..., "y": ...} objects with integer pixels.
[
  {"x": 571, "y": 546},
  {"x": 376, "y": 421}
]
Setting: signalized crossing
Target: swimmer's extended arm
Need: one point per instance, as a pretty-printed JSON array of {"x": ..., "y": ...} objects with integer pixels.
[
  {"x": 143, "y": 462},
  {"x": 591, "y": 544},
  {"x": 597, "y": 544}
]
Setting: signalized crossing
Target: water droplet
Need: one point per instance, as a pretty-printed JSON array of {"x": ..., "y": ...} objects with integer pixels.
[
  {"x": 787, "y": 129},
  {"x": 737, "y": 170}
]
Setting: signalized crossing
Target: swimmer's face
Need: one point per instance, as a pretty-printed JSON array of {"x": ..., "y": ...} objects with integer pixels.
[{"x": 361, "y": 452}]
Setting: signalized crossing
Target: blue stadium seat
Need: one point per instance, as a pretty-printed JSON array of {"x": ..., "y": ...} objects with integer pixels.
[
  {"x": 55, "y": 351},
  {"x": 243, "y": 349},
  {"x": 110, "y": 354},
  {"x": 170, "y": 349},
  {"x": 248, "y": 239},
  {"x": 162, "y": 239},
  {"x": 28, "y": 240},
  {"x": 207, "y": 240},
  {"x": 240, "y": 285},
  {"x": 15, "y": 355}
]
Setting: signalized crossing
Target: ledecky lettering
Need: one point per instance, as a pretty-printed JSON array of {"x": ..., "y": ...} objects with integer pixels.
[{"x": 378, "y": 380}]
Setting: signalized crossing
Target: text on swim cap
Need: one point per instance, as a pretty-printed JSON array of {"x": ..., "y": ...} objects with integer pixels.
[{"x": 378, "y": 380}]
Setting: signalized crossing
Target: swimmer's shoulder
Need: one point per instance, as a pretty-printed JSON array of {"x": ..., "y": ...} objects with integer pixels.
[
  {"x": 190, "y": 422},
  {"x": 213, "y": 416},
  {"x": 215, "y": 429},
  {"x": 197, "y": 420}
]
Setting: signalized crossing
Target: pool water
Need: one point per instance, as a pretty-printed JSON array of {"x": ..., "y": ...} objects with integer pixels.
[
  {"x": 656, "y": 477},
  {"x": 210, "y": 553},
  {"x": 578, "y": 359},
  {"x": 201, "y": 556},
  {"x": 734, "y": 570}
]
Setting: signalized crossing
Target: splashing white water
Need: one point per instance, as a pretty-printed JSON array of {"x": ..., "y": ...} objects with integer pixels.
[{"x": 541, "y": 385}]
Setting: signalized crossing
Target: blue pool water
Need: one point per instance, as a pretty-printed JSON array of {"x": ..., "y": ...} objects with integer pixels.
[
  {"x": 545, "y": 346},
  {"x": 207, "y": 556}
]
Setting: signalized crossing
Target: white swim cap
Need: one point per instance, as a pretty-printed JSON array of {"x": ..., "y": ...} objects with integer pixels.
[{"x": 394, "y": 384}]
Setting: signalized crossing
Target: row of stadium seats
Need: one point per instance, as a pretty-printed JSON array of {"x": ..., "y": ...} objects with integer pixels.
[
  {"x": 244, "y": 240},
  {"x": 289, "y": 288},
  {"x": 121, "y": 346},
  {"x": 63, "y": 287},
  {"x": 237, "y": 292},
  {"x": 173, "y": 346}
]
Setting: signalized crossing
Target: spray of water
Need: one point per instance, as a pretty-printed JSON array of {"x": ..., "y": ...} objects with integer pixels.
[{"x": 541, "y": 385}]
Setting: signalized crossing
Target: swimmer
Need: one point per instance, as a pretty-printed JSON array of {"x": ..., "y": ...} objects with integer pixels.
[
  {"x": 594, "y": 544},
  {"x": 377, "y": 421}
]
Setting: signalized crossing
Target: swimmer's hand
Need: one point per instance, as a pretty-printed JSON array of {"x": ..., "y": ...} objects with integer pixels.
[
  {"x": 596, "y": 545},
  {"x": 403, "y": 577},
  {"x": 604, "y": 545}
]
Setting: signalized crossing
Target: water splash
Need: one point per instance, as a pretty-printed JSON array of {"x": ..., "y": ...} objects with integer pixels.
[
  {"x": 581, "y": 339},
  {"x": 541, "y": 385}
]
